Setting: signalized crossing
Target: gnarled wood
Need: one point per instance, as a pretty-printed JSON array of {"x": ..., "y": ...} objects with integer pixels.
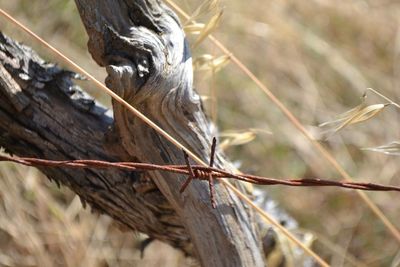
[
  {"x": 44, "y": 115},
  {"x": 143, "y": 47}
]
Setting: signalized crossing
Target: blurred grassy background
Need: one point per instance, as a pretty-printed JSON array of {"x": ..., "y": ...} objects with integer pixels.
[{"x": 317, "y": 56}]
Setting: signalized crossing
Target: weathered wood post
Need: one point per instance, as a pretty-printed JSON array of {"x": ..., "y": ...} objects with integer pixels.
[
  {"x": 143, "y": 47},
  {"x": 44, "y": 115}
]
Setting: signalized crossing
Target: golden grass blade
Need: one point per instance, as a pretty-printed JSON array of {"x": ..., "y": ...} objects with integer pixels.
[
  {"x": 204, "y": 8},
  {"x": 213, "y": 64},
  {"x": 203, "y": 62},
  {"x": 358, "y": 114},
  {"x": 344, "y": 116},
  {"x": 239, "y": 137},
  {"x": 366, "y": 113},
  {"x": 208, "y": 28},
  {"x": 384, "y": 97},
  {"x": 194, "y": 28},
  {"x": 218, "y": 63},
  {"x": 210, "y": 63},
  {"x": 104, "y": 88},
  {"x": 295, "y": 121},
  {"x": 214, "y": 98},
  {"x": 392, "y": 149},
  {"x": 235, "y": 138}
]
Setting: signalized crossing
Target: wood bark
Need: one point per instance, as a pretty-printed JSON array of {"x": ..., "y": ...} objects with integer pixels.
[
  {"x": 44, "y": 115},
  {"x": 142, "y": 45},
  {"x": 147, "y": 57}
]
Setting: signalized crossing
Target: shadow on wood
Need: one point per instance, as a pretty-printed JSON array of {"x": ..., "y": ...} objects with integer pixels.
[{"x": 142, "y": 45}]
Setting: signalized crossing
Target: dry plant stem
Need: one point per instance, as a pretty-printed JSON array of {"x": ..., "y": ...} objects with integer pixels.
[
  {"x": 121, "y": 101},
  {"x": 293, "y": 119},
  {"x": 101, "y": 86},
  {"x": 148, "y": 61},
  {"x": 263, "y": 214},
  {"x": 173, "y": 168},
  {"x": 384, "y": 97},
  {"x": 214, "y": 98},
  {"x": 43, "y": 114}
]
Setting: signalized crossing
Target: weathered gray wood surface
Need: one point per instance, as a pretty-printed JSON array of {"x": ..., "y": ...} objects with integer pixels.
[
  {"x": 143, "y": 47},
  {"x": 43, "y": 114}
]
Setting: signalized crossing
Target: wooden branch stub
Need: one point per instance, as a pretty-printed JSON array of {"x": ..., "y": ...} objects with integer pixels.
[
  {"x": 44, "y": 115},
  {"x": 141, "y": 44},
  {"x": 147, "y": 58}
]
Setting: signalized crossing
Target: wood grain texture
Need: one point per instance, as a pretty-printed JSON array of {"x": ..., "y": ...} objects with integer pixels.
[
  {"x": 143, "y": 47},
  {"x": 44, "y": 115}
]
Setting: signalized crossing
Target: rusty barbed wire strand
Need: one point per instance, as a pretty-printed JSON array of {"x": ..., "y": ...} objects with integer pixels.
[
  {"x": 226, "y": 183},
  {"x": 171, "y": 139},
  {"x": 295, "y": 121},
  {"x": 198, "y": 172}
]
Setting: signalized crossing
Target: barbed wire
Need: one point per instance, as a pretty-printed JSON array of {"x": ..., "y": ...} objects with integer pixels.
[{"x": 198, "y": 172}]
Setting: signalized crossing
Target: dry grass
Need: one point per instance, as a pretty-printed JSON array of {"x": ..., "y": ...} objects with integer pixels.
[
  {"x": 317, "y": 56},
  {"x": 41, "y": 225}
]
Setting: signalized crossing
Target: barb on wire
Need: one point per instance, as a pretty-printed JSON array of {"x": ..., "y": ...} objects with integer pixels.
[
  {"x": 191, "y": 173},
  {"x": 200, "y": 175},
  {"x": 199, "y": 172},
  {"x": 210, "y": 177}
]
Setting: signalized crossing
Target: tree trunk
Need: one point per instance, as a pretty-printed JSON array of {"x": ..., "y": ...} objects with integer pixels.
[{"x": 142, "y": 45}]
